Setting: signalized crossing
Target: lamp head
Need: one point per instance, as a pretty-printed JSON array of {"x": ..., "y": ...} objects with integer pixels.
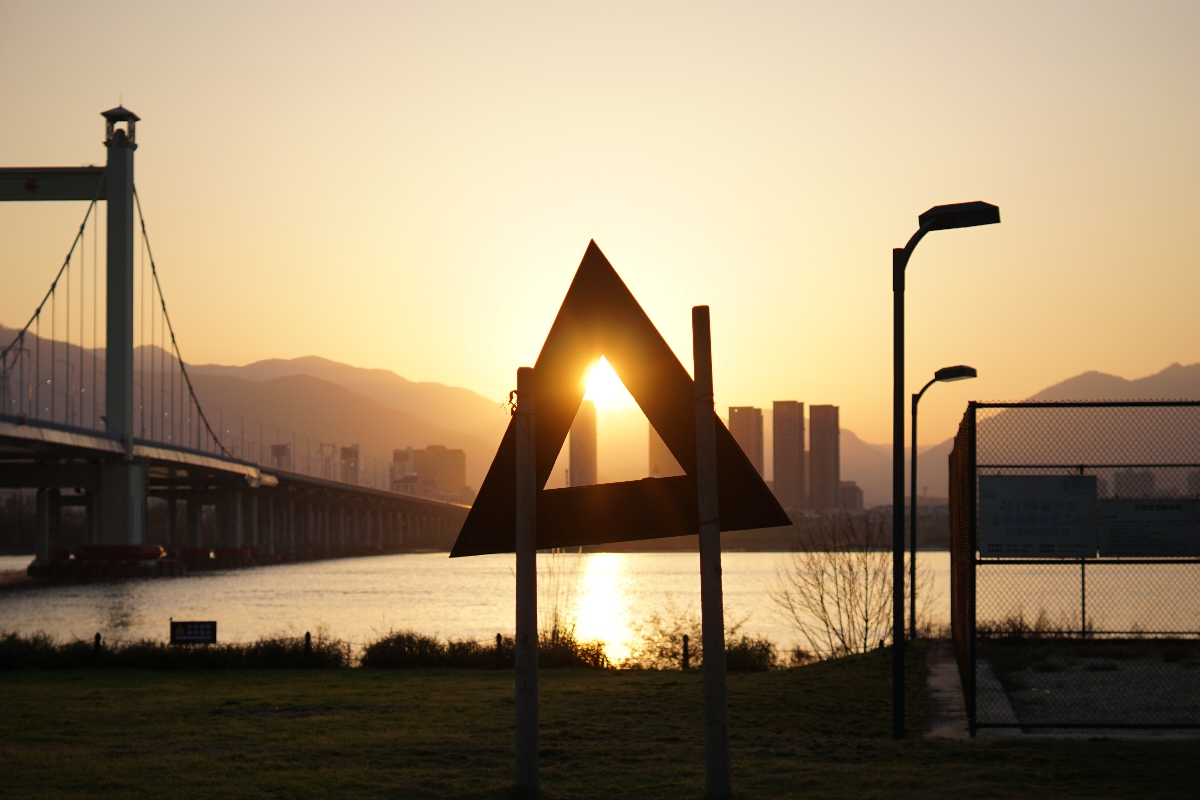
[
  {"x": 959, "y": 373},
  {"x": 959, "y": 215}
]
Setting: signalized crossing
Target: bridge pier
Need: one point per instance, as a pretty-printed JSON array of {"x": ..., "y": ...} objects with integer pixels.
[
  {"x": 195, "y": 521},
  {"x": 89, "y": 520},
  {"x": 342, "y": 529},
  {"x": 328, "y": 510},
  {"x": 172, "y": 535},
  {"x": 253, "y": 519},
  {"x": 121, "y": 499},
  {"x": 310, "y": 527},
  {"x": 239, "y": 532},
  {"x": 291, "y": 526},
  {"x": 271, "y": 546},
  {"x": 49, "y": 515}
]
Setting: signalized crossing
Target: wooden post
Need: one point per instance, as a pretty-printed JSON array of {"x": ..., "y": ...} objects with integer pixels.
[
  {"x": 526, "y": 550},
  {"x": 712, "y": 612}
]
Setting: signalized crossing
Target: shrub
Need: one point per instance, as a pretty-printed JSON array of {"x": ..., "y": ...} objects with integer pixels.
[
  {"x": 40, "y": 651},
  {"x": 409, "y": 649},
  {"x": 750, "y": 654}
]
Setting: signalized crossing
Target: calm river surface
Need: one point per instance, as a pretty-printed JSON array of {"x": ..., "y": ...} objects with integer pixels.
[{"x": 357, "y": 599}]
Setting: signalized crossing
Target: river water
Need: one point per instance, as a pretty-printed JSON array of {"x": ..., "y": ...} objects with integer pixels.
[{"x": 609, "y": 595}]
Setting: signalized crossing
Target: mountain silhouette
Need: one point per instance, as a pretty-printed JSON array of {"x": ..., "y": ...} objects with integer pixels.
[
  {"x": 324, "y": 411},
  {"x": 1176, "y": 382},
  {"x": 448, "y": 407}
]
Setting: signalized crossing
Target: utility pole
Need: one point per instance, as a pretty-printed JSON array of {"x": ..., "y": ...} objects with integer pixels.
[
  {"x": 712, "y": 613},
  {"x": 526, "y": 550}
]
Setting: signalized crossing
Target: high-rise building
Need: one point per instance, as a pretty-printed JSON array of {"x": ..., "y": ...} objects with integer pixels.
[
  {"x": 825, "y": 458},
  {"x": 662, "y": 461},
  {"x": 436, "y": 471},
  {"x": 746, "y": 425},
  {"x": 281, "y": 456},
  {"x": 788, "y": 438},
  {"x": 350, "y": 464},
  {"x": 583, "y": 446},
  {"x": 445, "y": 467},
  {"x": 850, "y": 496}
]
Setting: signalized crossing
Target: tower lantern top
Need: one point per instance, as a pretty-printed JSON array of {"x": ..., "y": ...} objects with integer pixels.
[{"x": 120, "y": 114}]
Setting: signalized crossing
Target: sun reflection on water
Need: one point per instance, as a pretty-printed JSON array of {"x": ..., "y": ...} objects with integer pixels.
[{"x": 602, "y": 604}]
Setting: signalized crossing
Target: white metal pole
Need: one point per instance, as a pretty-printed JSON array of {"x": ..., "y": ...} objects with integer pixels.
[
  {"x": 526, "y": 548},
  {"x": 712, "y": 613}
]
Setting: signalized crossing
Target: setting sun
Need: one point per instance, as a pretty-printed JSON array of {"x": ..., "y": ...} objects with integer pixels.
[{"x": 605, "y": 389}]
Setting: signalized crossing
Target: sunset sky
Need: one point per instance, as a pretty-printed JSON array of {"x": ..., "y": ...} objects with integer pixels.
[{"x": 411, "y": 186}]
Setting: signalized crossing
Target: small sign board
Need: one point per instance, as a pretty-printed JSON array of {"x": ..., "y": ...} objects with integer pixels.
[
  {"x": 1149, "y": 528},
  {"x": 1037, "y": 516},
  {"x": 193, "y": 632}
]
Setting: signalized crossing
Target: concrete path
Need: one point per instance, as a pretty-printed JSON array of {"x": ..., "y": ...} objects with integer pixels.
[{"x": 947, "y": 710}]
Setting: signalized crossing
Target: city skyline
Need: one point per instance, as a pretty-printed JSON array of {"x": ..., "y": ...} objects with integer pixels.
[{"x": 727, "y": 147}]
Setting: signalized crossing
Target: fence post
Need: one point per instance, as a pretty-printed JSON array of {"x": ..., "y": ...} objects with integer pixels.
[
  {"x": 685, "y": 653},
  {"x": 1082, "y": 598},
  {"x": 972, "y": 551}
]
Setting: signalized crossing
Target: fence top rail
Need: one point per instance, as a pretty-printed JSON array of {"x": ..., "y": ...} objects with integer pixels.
[
  {"x": 1084, "y": 403},
  {"x": 1125, "y": 465},
  {"x": 1089, "y": 560}
]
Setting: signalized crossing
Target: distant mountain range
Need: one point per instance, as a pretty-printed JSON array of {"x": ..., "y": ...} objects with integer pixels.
[
  {"x": 315, "y": 411},
  {"x": 380, "y": 410},
  {"x": 439, "y": 405},
  {"x": 1176, "y": 382}
]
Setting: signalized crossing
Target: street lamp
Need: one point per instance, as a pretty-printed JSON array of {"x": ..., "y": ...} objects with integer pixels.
[
  {"x": 938, "y": 218},
  {"x": 943, "y": 375}
]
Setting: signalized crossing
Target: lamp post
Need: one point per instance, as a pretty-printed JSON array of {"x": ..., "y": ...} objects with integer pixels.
[
  {"x": 938, "y": 218},
  {"x": 943, "y": 375}
]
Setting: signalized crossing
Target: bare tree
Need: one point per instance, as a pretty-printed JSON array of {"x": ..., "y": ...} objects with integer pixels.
[{"x": 838, "y": 593}]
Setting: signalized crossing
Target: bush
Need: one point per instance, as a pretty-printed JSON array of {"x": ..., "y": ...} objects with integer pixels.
[
  {"x": 750, "y": 654},
  {"x": 563, "y": 650},
  {"x": 40, "y": 651},
  {"x": 409, "y": 649}
]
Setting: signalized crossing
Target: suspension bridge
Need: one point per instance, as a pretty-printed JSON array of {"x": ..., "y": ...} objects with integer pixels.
[{"x": 97, "y": 411}]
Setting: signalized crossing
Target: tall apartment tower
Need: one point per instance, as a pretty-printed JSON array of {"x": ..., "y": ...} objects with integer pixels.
[
  {"x": 583, "y": 446},
  {"x": 745, "y": 423},
  {"x": 825, "y": 457},
  {"x": 788, "y": 437},
  {"x": 662, "y": 461}
]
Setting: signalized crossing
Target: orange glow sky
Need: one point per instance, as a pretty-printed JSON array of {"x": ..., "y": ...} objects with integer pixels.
[{"x": 411, "y": 186}]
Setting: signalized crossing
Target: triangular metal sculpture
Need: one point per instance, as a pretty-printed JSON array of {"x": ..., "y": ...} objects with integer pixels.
[{"x": 600, "y": 317}]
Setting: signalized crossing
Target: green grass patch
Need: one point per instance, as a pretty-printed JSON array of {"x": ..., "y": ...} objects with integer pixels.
[{"x": 819, "y": 730}]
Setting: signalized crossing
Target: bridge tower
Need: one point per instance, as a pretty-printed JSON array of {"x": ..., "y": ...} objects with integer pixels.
[
  {"x": 122, "y": 489},
  {"x": 121, "y": 485}
]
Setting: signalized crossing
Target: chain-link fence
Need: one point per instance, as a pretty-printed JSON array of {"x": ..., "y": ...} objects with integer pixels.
[{"x": 1075, "y": 564}]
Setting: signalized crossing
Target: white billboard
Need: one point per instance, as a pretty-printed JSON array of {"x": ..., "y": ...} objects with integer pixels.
[
  {"x": 1149, "y": 528},
  {"x": 1037, "y": 516}
]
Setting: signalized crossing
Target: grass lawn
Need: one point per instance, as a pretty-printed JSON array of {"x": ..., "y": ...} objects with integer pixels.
[{"x": 821, "y": 730}]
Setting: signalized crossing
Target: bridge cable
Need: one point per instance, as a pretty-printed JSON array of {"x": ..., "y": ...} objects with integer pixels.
[
  {"x": 35, "y": 320},
  {"x": 171, "y": 329}
]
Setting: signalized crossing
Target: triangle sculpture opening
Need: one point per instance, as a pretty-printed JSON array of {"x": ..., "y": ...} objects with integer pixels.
[{"x": 600, "y": 317}]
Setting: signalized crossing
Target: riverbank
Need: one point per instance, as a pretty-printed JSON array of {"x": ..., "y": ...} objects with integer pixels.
[{"x": 820, "y": 730}]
